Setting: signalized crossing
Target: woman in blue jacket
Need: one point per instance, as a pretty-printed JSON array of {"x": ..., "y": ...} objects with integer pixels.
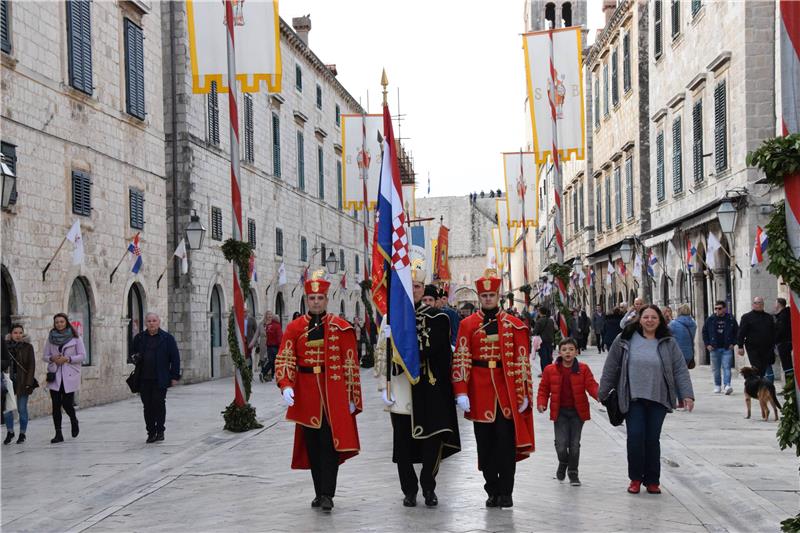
[{"x": 683, "y": 329}]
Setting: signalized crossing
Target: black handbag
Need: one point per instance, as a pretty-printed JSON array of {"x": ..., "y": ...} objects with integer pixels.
[
  {"x": 133, "y": 379},
  {"x": 615, "y": 414},
  {"x": 51, "y": 377}
]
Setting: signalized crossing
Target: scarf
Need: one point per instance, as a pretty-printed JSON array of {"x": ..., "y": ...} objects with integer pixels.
[{"x": 59, "y": 338}]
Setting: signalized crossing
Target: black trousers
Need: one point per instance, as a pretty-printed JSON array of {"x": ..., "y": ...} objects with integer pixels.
[
  {"x": 497, "y": 454},
  {"x": 568, "y": 428},
  {"x": 155, "y": 406},
  {"x": 406, "y": 447},
  {"x": 323, "y": 457},
  {"x": 785, "y": 353},
  {"x": 65, "y": 400}
]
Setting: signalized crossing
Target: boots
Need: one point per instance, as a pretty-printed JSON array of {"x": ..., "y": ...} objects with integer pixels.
[
  {"x": 9, "y": 437},
  {"x": 58, "y": 438},
  {"x": 75, "y": 429}
]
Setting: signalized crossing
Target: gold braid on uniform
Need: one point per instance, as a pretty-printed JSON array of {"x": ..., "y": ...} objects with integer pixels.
[
  {"x": 286, "y": 363},
  {"x": 462, "y": 361},
  {"x": 352, "y": 378}
]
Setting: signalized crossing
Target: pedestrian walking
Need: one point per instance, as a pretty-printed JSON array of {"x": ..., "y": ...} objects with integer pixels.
[
  {"x": 250, "y": 330},
  {"x": 648, "y": 371},
  {"x": 63, "y": 352},
  {"x": 492, "y": 383},
  {"x": 266, "y": 342},
  {"x": 598, "y": 326},
  {"x": 612, "y": 326},
  {"x": 783, "y": 335},
  {"x": 159, "y": 368},
  {"x": 584, "y": 325},
  {"x": 318, "y": 374},
  {"x": 684, "y": 329},
  {"x": 667, "y": 312},
  {"x": 632, "y": 313},
  {"x": 545, "y": 329},
  {"x": 757, "y": 335},
  {"x": 720, "y": 332},
  {"x": 22, "y": 371},
  {"x": 565, "y": 384}
]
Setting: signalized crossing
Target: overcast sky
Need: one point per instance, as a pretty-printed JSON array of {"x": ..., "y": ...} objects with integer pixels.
[{"x": 459, "y": 69}]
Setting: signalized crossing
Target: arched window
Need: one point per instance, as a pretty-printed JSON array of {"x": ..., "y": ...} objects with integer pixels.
[
  {"x": 550, "y": 22},
  {"x": 6, "y": 304},
  {"x": 566, "y": 14},
  {"x": 80, "y": 314},
  {"x": 216, "y": 317},
  {"x": 279, "y": 307},
  {"x": 135, "y": 315}
]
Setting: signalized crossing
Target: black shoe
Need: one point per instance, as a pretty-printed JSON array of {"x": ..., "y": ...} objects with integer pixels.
[
  {"x": 75, "y": 428},
  {"x": 561, "y": 473},
  {"x": 410, "y": 500},
  {"x": 491, "y": 501},
  {"x": 505, "y": 501},
  {"x": 21, "y": 438},
  {"x": 58, "y": 438},
  {"x": 151, "y": 438},
  {"x": 315, "y": 502},
  {"x": 573, "y": 479},
  {"x": 326, "y": 502},
  {"x": 430, "y": 499},
  {"x": 9, "y": 437},
  {"x": 159, "y": 436}
]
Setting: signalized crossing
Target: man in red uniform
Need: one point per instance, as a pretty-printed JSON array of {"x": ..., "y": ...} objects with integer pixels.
[
  {"x": 318, "y": 374},
  {"x": 492, "y": 383}
]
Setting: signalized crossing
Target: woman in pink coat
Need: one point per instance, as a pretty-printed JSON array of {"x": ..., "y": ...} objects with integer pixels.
[{"x": 63, "y": 352}]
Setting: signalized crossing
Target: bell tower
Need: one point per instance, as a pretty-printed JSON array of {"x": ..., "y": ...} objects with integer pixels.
[{"x": 547, "y": 14}]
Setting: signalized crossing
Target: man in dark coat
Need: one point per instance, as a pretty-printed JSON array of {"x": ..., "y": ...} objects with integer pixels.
[
  {"x": 612, "y": 326},
  {"x": 156, "y": 355},
  {"x": 424, "y": 420},
  {"x": 783, "y": 335},
  {"x": 599, "y": 325},
  {"x": 757, "y": 334}
]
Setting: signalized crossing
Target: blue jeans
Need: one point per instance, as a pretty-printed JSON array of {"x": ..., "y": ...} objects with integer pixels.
[
  {"x": 643, "y": 422},
  {"x": 721, "y": 358},
  {"x": 22, "y": 409},
  {"x": 545, "y": 354}
]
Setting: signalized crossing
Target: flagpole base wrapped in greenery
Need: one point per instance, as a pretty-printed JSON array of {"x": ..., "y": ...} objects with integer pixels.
[
  {"x": 560, "y": 272},
  {"x": 239, "y": 418}
]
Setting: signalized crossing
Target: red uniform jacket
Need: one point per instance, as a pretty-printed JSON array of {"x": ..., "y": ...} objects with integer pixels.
[
  {"x": 331, "y": 384},
  {"x": 503, "y": 377},
  {"x": 582, "y": 382}
]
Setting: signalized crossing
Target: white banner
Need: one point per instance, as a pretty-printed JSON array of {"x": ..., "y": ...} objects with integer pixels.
[
  {"x": 498, "y": 255},
  {"x": 519, "y": 169},
  {"x": 410, "y": 200},
  {"x": 508, "y": 235},
  {"x": 566, "y": 95},
  {"x": 257, "y": 42},
  {"x": 354, "y": 157}
]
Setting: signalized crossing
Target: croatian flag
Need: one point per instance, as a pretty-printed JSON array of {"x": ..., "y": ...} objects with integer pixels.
[
  {"x": 623, "y": 270},
  {"x": 759, "y": 247},
  {"x": 651, "y": 263},
  {"x": 135, "y": 254},
  {"x": 393, "y": 264},
  {"x": 691, "y": 251}
]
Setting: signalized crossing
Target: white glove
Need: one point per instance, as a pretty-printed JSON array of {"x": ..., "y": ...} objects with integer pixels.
[
  {"x": 386, "y": 400},
  {"x": 352, "y": 408},
  {"x": 462, "y": 401},
  {"x": 387, "y": 330},
  {"x": 524, "y": 404},
  {"x": 288, "y": 396}
]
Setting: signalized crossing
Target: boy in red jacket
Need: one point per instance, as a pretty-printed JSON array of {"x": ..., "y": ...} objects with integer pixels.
[{"x": 565, "y": 383}]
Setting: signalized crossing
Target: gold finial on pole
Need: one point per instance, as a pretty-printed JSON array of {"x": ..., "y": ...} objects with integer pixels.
[{"x": 384, "y": 83}]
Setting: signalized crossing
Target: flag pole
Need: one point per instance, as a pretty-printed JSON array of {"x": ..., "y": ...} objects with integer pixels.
[
  {"x": 158, "y": 281},
  {"x": 522, "y": 189},
  {"x": 47, "y": 267},
  {"x": 111, "y": 278},
  {"x": 387, "y": 321},
  {"x": 557, "y": 178},
  {"x": 365, "y": 207}
]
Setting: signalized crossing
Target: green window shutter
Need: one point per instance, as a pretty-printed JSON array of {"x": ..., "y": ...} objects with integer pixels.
[
  {"x": 676, "y": 18},
  {"x": 251, "y": 232},
  {"x": 216, "y": 223},
  {"x": 279, "y": 242},
  {"x": 321, "y": 172},
  {"x": 657, "y": 29},
  {"x": 626, "y": 62},
  {"x": 249, "y": 144},
  {"x": 136, "y": 206},
  {"x": 608, "y": 202},
  {"x": 79, "y": 45},
  {"x": 134, "y": 70},
  {"x": 276, "y": 145},
  {"x": 660, "y": 188},
  {"x": 5, "y": 27},
  {"x": 677, "y": 157},
  {"x": 301, "y": 162},
  {"x": 618, "y": 194},
  {"x": 696, "y": 5},
  {"x": 614, "y": 77},
  {"x": 339, "y": 191},
  {"x": 605, "y": 90},
  {"x": 629, "y": 188},
  {"x": 303, "y": 249},
  {"x": 720, "y": 128},
  {"x": 81, "y": 194},
  {"x": 697, "y": 141},
  {"x": 213, "y": 114},
  {"x": 597, "y": 102},
  {"x": 298, "y": 77}
]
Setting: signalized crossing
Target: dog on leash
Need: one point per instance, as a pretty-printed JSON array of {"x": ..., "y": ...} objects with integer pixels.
[{"x": 761, "y": 389}]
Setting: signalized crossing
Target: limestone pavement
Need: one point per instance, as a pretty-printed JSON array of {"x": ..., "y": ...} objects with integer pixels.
[{"x": 719, "y": 473}]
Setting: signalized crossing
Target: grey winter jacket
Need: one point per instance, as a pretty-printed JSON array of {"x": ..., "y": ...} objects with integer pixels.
[{"x": 615, "y": 372}]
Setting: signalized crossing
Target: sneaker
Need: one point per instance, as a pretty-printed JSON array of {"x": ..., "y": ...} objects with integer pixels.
[
  {"x": 561, "y": 472},
  {"x": 717, "y": 390},
  {"x": 728, "y": 390},
  {"x": 573, "y": 479},
  {"x": 21, "y": 438},
  {"x": 635, "y": 486}
]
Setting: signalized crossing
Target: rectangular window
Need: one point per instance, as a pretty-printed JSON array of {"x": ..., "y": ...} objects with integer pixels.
[
  {"x": 279, "y": 242},
  {"x": 251, "y": 232},
  {"x": 605, "y": 90},
  {"x": 629, "y": 188},
  {"x": 599, "y": 206},
  {"x": 618, "y": 195},
  {"x": 213, "y": 115},
  {"x": 303, "y": 249},
  {"x": 720, "y": 128},
  {"x": 298, "y": 77},
  {"x": 614, "y": 77},
  {"x": 657, "y": 29},
  {"x": 339, "y": 191},
  {"x": 81, "y": 193},
  {"x": 136, "y": 206},
  {"x": 597, "y": 101},
  {"x": 249, "y": 144},
  {"x": 5, "y": 27},
  {"x": 608, "y": 202},
  {"x": 696, "y": 5},
  {"x": 323, "y": 255},
  {"x": 216, "y": 223},
  {"x": 358, "y": 264},
  {"x": 697, "y": 141},
  {"x": 79, "y": 44},
  {"x": 319, "y": 96},
  {"x": 676, "y": 18},
  {"x": 677, "y": 157},
  {"x": 321, "y": 172},
  {"x": 626, "y": 62},
  {"x": 9, "y": 152},
  {"x": 341, "y": 260},
  {"x": 134, "y": 70},
  {"x": 575, "y": 219},
  {"x": 581, "y": 208},
  {"x": 276, "y": 145},
  {"x": 301, "y": 162},
  {"x": 661, "y": 192},
  {"x": 338, "y": 115}
]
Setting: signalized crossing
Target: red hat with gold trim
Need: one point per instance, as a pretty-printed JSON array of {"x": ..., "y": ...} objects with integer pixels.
[
  {"x": 489, "y": 282},
  {"x": 317, "y": 284}
]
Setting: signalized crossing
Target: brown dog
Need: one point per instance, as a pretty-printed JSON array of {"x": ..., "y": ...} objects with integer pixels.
[{"x": 757, "y": 387}]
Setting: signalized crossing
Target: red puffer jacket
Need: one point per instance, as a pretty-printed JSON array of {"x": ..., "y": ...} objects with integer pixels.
[{"x": 582, "y": 382}]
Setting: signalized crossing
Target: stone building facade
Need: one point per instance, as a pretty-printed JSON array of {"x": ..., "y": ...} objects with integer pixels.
[
  {"x": 82, "y": 114},
  {"x": 291, "y": 189}
]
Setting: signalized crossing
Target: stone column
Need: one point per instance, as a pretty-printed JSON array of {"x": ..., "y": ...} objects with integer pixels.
[{"x": 700, "y": 302}]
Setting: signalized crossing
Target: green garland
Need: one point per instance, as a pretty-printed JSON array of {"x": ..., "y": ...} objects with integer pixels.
[
  {"x": 562, "y": 273},
  {"x": 238, "y": 253},
  {"x": 240, "y": 419},
  {"x": 782, "y": 262},
  {"x": 789, "y": 436},
  {"x": 778, "y": 158}
]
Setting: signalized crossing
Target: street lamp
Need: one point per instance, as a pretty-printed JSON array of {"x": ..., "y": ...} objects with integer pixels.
[
  {"x": 195, "y": 232},
  {"x": 727, "y": 217},
  {"x": 626, "y": 251},
  {"x": 9, "y": 183},
  {"x": 332, "y": 263}
]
